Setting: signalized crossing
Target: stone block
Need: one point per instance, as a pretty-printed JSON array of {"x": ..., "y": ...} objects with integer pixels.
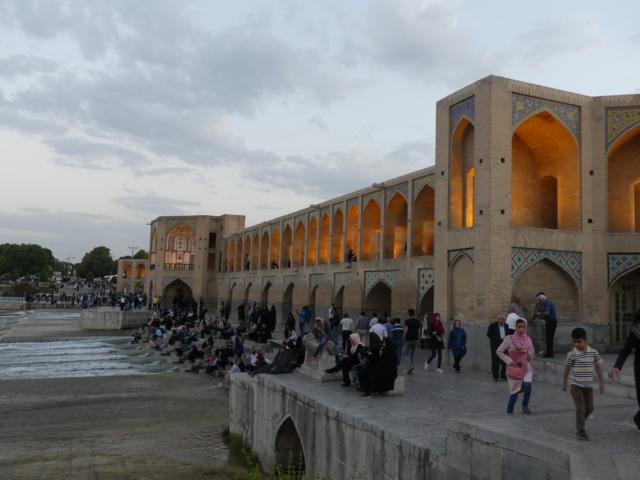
[{"x": 315, "y": 367}]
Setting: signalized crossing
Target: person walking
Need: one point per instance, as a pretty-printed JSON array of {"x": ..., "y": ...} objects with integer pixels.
[
  {"x": 304, "y": 317},
  {"x": 457, "y": 344},
  {"x": 517, "y": 352},
  {"x": 362, "y": 328},
  {"x": 546, "y": 310},
  {"x": 581, "y": 361},
  {"x": 632, "y": 342},
  {"x": 397, "y": 335},
  {"x": 347, "y": 327},
  {"x": 497, "y": 332},
  {"x": 436, "y": 334},
  {"x": 411, "y": 334}
]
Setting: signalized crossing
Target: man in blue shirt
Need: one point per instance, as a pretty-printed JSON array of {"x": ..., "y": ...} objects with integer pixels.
[{"x": 546, "y": 310}]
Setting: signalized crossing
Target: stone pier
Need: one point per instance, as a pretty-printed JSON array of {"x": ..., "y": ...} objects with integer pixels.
[{"x": 113, "y": 319}]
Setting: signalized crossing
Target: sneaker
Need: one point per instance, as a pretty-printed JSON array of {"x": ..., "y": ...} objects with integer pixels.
[
  {"x": 525, "y": 410},
  {"x": 410, "y": 371},
  {"x": 439, "y": 370},
  {"x": 582, "y": 435}
]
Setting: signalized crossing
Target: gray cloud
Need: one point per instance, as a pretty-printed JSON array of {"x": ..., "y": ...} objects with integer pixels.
[
  {"x": 156, "y": 205},
  {"x": 15, "y": 65}
]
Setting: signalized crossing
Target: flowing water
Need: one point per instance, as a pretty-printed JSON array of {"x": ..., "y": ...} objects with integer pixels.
[{"x": 75, "y": 357}]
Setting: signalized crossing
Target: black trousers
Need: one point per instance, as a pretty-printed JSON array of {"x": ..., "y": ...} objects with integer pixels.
[
  {"x": 498, "y": 367},
  {"x": 345, "y": 339},
  {"x": 436, "y": 350},
  {"x": 549, "y": 332}
]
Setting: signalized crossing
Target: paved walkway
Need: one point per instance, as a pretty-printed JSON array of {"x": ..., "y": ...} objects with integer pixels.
[{"x": 431, "y": 400}]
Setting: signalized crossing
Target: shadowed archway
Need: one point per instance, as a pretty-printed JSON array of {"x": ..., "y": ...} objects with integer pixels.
[{"x": 289, "y": 452}]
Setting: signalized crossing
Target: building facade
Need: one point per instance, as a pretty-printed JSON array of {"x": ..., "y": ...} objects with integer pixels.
[
  {"x": 533, "y": 189},
  {"x": 132, "y": 274}
]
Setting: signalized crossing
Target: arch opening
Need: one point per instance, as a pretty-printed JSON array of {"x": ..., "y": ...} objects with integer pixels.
[
  {"x": 141, "y": 271},
  {"x": 545, "y": 175},
  {"x": 624, "y": 303},
  {"x": 255, "y": 253},
  {"x": 378, "y": 300},
  {"x": 180, "y": 248},
  {"x": 395, "y": 227},
  {"x": 462, "y": 289},
  {"x": 422, "y": 226},
  {"x": 177, "y": 293},
  {"x": 624, "y": 184},
  {"x": 232, "y": 256},
  {"x": 238, "y": 258},
  {"x": 312, "y": 301},
  {"x": 351, "y": 240},
  {"x": 298, "y": 245},
  {"x": 246, "y": 261},
  {"x": 275, "y": 249},
  {"x": 127, "y": 270},
  {"x": 287, "y": 300},
  {"x": 288, "y": 450},
  {"x": 264, "y": 297},
  {"x": 339, "y": 302},
  {"x": 264, "y": 251},
  {"x": 370, "y": 242},
  {"x": 426, "y": 306},
  {"x": 462, "y": 177},
  {"x": 154, "y": 247},
  {"x": 323, "y": 248},
  {"x": 312, "y": 241},
  {"x": 247, "y": 292},
  {"x": 337, "y": 237},
  {"x": 287, "y": 244}
]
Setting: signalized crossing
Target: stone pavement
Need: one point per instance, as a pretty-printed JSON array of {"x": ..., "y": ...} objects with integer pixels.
[{"x": 473, "y": 404}]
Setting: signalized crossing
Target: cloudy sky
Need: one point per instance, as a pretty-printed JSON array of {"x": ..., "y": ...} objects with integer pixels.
[{"x": 113, "y": 112}]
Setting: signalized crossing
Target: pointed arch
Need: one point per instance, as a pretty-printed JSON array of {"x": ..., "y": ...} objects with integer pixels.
[
  {"x": 232, "y": 256},
  {"x": 255, "y": 252},
  {"x": 545, "y": 174},
  {"x": 422, "y": 222},
  {"x": 247, "y": 264},
  {"x": 395, "y": 227},
  {"x": 378, "y": 299},
  {"x": 298, "y": 245},
  {"x": 370, "y": 243},
  {"x": 238, "y": 258},
  {"x": 323, "y": 247},
  {"x": 264, "y": 251},
  {"x": 141, "y": 271},
  {"x": 351, "y": 240},
  {"x": 624, "y": 302},
  {"x": 462, "y": 288},
  {"x": 312, "y": 241},
  {"x": 275, "y": 248},
  {"x": 462, "y": 176},
  {"x": 337, "y": 236},
  {"x": 153, "y": 247},
  {"x": 287, "y": 244},
  {"x": 623, "y": 178},
  {"x": 289, "y": 451}
]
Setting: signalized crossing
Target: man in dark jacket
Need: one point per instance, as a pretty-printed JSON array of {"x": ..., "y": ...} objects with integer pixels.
[{"x": 496, "y": 332}]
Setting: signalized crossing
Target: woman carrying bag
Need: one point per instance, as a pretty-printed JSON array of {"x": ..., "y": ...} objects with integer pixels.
[{"x": 517, "y": 352}]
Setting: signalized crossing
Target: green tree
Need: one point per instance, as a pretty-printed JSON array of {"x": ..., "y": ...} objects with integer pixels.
[
  {"x": 98, "y": 261},
  {"x": 141, "y": 255},
  {"x": 18, "y": 260}
]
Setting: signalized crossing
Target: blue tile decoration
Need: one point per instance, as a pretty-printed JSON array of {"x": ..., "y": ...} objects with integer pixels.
[
  {"x": 465, "y": 108},
  {"x": 621, "y": 263},
  {"x": 619, "y": 120},
  {"x": 340, "y": 279},
  {"x": 523, "y": 107},
  {"x": 371, "y": 278},
  {"x": 426, "y": 280},
  {"x": 401, "y": 188},
  {"x": 454, "y": 254},
  {"x": 523, "y": 258}
]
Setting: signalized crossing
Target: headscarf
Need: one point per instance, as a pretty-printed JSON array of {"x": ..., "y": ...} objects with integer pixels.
[
  {"x": 522, "y": 341},
  {"x": 354, "y": 339},
  {"x": 437, "y": 325}
]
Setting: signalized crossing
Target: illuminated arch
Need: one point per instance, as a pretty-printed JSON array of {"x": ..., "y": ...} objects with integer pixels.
[
  {"x": 370, "y": 232},
  {"x": 462, "y": 176},
  {"x": 312, "y": 241},
  {"x": 337, "y": 236},
  {"x": 624, "y": 183},
  {"x": 422, "y": 222},
  {"x": 395, "y": 227}
]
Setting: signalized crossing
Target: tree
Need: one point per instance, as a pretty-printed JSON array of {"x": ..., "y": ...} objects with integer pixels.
[
  {"x": 141, "y": 255},
  {"x": 99, "y": 262},
  {"x": 26, "y": 259}
]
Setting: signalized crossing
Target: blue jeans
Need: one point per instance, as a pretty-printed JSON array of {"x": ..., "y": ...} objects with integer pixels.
[
  {"x": 398, "y": 346},
  {"x": 526, "y": 386},
  {"x": 411, "y": 350},
  {"x": 323, "y": 342}
]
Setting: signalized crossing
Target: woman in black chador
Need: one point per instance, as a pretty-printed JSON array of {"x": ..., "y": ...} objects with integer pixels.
[{"x": 633, "y": 341}]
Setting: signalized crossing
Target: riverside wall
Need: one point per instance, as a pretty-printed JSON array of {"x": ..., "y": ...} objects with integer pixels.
[{"x": 112, "y": 319}]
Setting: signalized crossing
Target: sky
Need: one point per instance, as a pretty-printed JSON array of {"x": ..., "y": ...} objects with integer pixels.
[{"x": 114, "y": 112}]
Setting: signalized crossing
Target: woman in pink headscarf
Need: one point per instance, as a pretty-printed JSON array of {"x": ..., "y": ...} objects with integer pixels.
[{"x": 517, "y": 352}]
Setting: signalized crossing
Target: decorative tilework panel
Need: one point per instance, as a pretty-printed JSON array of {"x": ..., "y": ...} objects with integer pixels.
[
  {"x": 523, "y": 258},
  {"x": 266, "y": 280},
  {"x": 314, "y": 280},
  {"x": 340, "y": 279},
  {"x": 522, "y": 107},
  {"x": 419, "y": 183},
  {"x": 466, "y": 108},
  {"x": 454, "y": 254},
  {"x": 377, "y": 196},
  {"x": 402, "y": 188},
  {"x": 390, "y": 277},
  {"x": 426, "y": 280},
  {"x": 619, "y": 120},
  {"x": 620, "y": 263}
]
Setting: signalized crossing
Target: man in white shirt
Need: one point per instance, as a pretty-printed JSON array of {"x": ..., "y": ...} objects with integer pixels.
[
  {"x": 380, "y": 330},
  {"x": 347, "y": 326},
  {"x": 374, "y": 319},
  {"x": 512, "y": 318}
]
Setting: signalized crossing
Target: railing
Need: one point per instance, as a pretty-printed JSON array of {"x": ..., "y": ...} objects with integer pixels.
[
  {"x": 11, "y": 299},
  {"x": 178, "y": 266}
]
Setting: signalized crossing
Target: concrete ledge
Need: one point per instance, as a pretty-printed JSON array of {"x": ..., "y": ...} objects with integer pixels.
[{"x": 112, "y": 319}]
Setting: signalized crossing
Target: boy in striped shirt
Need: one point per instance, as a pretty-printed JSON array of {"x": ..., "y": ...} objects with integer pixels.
[{"x": 580, "y": 363}]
